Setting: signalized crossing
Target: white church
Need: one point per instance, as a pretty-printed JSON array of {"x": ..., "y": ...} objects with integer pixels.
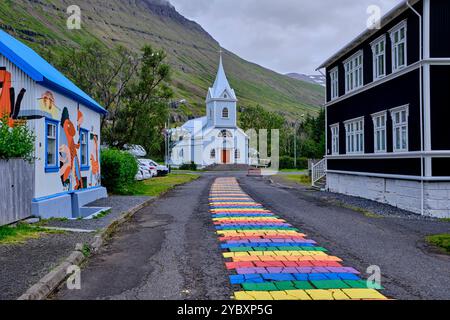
[{"x": 215, "y": 138}]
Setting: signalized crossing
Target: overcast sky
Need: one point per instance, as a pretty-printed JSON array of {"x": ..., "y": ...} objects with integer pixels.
[{"x": 283, "y": 35}]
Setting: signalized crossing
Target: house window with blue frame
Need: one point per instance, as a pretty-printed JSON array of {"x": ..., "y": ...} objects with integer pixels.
[
  {"x": 51, "y": 146},
  {"x": 84, "y": 149}
]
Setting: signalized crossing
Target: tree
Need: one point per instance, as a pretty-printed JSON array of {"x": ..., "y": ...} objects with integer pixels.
[
  {"x": 140, "y": 119},
  {"x": 102, "y": 73},
  {"x": 312, "y": 136},
  {"x": 133, "y": 88}
]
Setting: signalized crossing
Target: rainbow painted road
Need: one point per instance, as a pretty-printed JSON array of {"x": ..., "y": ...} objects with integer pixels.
[{"x": 271, "y": 260}]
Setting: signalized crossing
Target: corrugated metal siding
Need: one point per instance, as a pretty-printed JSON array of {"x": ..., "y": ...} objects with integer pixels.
[
  {"x": 16, "y": 190},
  {"x": 21, "y": 80}
]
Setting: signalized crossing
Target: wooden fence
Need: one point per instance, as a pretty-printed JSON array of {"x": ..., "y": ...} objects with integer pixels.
[{"x": 16, "y": 190}]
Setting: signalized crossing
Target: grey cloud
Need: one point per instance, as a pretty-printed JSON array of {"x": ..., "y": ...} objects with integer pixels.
[{"x": 283, "y": 35}]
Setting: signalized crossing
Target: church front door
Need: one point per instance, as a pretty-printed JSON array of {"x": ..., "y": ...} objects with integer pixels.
[{"x": 226, "y": 159}]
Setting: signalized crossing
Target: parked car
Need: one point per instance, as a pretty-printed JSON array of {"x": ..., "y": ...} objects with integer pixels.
[
  {"x": 162, "y": 170},
  {"x": 139, "y": 176},
  {"x": 135, "y": 150},
  {"x": 149, "y": 166}
]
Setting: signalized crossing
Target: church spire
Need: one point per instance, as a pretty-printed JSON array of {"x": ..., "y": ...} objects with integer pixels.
[{"x": 221, "y": 88}]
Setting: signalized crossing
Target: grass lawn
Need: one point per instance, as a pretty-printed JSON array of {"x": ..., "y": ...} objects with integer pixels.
[
  {"x": 441, "y": 240},
  {"x": 21, "y": 233},
  {"x": 156, "y": 186},
  {"x": 300, "y": 179}
]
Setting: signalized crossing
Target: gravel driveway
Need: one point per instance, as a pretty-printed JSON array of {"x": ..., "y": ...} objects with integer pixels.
[{"x": 22, "y": 265}]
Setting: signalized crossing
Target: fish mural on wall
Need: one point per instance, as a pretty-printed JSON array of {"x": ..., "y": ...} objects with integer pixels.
[
  {"x": 70, "y": 169},
  {"x": 9, "y": 105},
  {"x": 95, "y": 163}
]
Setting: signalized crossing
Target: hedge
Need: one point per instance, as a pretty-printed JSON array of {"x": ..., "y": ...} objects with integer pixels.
[
  {"x": 189, "y": 166},
  {"x": 119, "y": 169},
  {"x": 289, "y": 163}
]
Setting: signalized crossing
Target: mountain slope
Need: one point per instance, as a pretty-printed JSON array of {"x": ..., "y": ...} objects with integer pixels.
[
  {"x": 316, "y": 79},
  {"x": 192, "y": 52}
]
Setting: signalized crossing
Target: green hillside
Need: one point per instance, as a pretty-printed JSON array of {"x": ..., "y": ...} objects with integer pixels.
[{"x": 192, "y": 52}]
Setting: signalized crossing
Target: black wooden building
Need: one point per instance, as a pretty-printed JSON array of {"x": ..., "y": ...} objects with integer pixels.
[{"x": 388, "y": 110}]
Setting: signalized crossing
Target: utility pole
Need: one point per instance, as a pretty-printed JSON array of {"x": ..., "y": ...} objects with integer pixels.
[
  {"x": 295, "y": 140},
  {"x": 295, "y": 144}
]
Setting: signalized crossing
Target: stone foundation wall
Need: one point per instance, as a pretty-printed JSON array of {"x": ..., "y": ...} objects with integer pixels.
[{"x": 403, "y": 194}]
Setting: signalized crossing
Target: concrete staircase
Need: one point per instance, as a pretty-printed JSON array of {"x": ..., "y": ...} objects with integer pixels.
[
  {"x": 228, "y": 167},
  {"x": 321, "y": 184}
]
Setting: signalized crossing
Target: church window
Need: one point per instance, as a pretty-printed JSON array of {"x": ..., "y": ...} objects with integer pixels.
[
  {"x": 225, "y": 134},
  {"x": 213, "y": 154},
  {"x": 225, "y": 113},
  {"x": 237, "y": 154}
]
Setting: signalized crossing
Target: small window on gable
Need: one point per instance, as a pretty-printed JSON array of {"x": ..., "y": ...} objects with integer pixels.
[
  {"x": 225, "y": 113},
  {"x": 225, "y": 134}
]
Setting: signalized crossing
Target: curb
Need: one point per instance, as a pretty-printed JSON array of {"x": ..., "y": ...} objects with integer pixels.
[{"x": 44, "y": 287}]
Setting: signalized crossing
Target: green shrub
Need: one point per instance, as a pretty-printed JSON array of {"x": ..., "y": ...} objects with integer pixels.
[
  {"x": 16, "y": 142},
  {"x": 286, "y": 162},
  {"x": 118, "y": 170},
  {"x": 189, "y": 166},
  {"x": 302, "y": 163}
]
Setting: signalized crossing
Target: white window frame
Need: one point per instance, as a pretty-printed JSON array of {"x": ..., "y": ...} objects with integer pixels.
[
  {"x": 51, "y": 135},
  {"x": 354, "y": 136},
  {"x": 395, "y": 45},
  {"x": 379, "y": 131},
  {"x": 334, "y": 139},
  {"x": 354, "y": 72},
  {"x": 402, "y": 126},
  {"x": 225, "y": 113},
  {"x": 379, "y": 56},
  {"x": 334, "y": 83}
]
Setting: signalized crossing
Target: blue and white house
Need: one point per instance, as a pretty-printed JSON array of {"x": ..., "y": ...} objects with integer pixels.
[
  {"x": 66, "y": 123},
  {"x": 215, "y": 138}
]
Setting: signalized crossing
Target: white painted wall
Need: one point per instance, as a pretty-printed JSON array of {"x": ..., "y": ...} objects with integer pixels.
[
  {"x": 398, "y": 193},
  {"x": 50, "y": 183}
]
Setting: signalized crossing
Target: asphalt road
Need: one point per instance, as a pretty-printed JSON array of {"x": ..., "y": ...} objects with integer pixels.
[{"x": 170, "y": 251}]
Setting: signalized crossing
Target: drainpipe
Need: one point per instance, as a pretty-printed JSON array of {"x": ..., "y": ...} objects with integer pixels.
[
  {"x": 326, "y": 124},
  {"x": 422, "y": 159},
  {"x": 326, "y": 118}
]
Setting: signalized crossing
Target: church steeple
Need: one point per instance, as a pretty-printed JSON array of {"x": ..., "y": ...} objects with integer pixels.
[{"x": 221, "y": 88}]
